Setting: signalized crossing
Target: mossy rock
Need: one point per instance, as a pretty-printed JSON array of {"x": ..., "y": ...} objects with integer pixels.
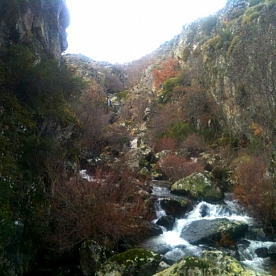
[
  {"x": 92, "y": 255},
  {"x": 199, "y": 187},
  {"x": 212, "y": 263},
  {"x": 131, "y": 262}
]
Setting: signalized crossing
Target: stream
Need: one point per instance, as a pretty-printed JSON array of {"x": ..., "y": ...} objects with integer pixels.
[{"x": 173, "y": 247}]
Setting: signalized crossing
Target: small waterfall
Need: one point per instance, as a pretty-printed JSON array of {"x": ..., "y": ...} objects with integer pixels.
[
  {"x": 158, "y": 210},
  {"x": 173, "y": 247},
  {"x": 211, "y": 211}
]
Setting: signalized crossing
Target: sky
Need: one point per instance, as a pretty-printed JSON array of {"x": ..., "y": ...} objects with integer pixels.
[{"x": 120, "y": 31}]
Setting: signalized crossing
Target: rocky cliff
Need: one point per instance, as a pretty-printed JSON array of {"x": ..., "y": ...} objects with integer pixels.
[
  {"x": 230, "y": 55},
  {"x": 40, "y": 24}
]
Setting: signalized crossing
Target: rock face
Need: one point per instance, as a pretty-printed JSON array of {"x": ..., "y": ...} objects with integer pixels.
[
  {"x": 213, "y": 231},
  {"x": 39, "y": 24},
  {"x": 199, "y": 187},
  {"x": 108, "y": 78},
  {"x": 212, "y": 263}
]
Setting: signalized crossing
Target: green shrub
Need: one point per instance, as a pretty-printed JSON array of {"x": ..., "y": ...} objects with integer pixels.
[
  {"x": 254, "y": 9},
  {"x": 39, "y": 134},
  {"x": 122, "y": 94},
  {"x": 236, "y": 14},
  {"x": 251, "y": 14},
  {"x": 170, "y": 84},
  {"x": 208, "y": 24},
  {"x": 234, "y": 42},
  {"x": 167, "y": 91},
  {"x": 211, "y": 43},
  {"x": 224, "y": 39},
  {"x": 179, "y": 130}
]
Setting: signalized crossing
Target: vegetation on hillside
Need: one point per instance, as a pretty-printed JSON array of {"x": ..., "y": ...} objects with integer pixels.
[
  {"x": 223, "y": 93},
  {"x": 48, "y": 117},
  {"x": 215, "y": 98}
]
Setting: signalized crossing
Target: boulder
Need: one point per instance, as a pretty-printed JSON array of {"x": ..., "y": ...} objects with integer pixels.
[
  {"x": 256, "y": 234},
  {"x": 132, "y": 262},
  {"x": 176, "y": 207},
  {"x": 214, "y": 231},
  {"x": 272, "y": 251},
  {"x": 167, "y": 222},
  {"x": 212, "y": 263},
  {"x": 174, "y": 255},
  {"x": 261, "y": 252},
  {"x": 199, "y": 187},
  {"x": 92, "y": 255}
]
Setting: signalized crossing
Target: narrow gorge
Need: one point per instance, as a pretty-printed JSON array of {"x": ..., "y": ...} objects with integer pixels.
[{"x": 161, "y": 166}]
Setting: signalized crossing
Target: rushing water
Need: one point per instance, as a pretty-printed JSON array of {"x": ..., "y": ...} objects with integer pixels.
[{"x": 173, "y": 247}]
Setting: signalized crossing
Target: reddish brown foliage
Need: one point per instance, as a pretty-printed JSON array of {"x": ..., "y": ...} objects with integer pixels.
[
  {"x": 135, "y": 69},
  {"x": 94, "y": 114},
  {"x": 176, "y": 167},
  {"x": 133, "y": 109},
  {"x": 194, "y": 145},
  {"x": 163, "y": 119},
  {"x": 165, "y": 143},
  {"x": 256, "y": 191},
  {"x": 167, "y": 69},
  {"x": 106, "y": 210}
]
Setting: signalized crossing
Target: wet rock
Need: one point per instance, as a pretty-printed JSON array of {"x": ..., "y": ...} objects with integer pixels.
[
  {"x": 214, "y": 231},
  {"x": 173, "y": 256},
  {"x": 262, "y": 252},
  {"x": 156, "y": 244},
  {"x": 242, "y": 246},
  {"x": 176, "y": 207},
  {"x": 131, "y": 262},
  {"x": 256, "y": 234},
  {"x": 198, "y": 186},
  {"x": 152, "y": 229},
  {"x": 167, "y": 222},
  {"x": 212, "y": 263},
  {"x": 272, "y": 251},
  {"x": 204, "y": 211}
]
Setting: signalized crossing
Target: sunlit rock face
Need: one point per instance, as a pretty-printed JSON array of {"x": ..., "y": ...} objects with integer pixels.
[{"x": 40, "y": 24}]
